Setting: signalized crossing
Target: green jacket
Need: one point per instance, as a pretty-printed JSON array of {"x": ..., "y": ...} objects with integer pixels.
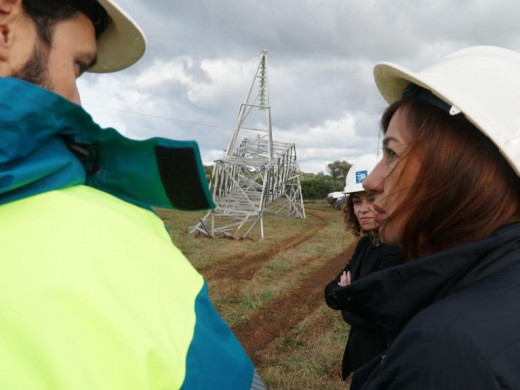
[{"x": 93, "y": 293}]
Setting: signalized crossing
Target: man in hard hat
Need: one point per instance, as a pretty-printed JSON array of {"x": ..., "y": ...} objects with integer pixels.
[{"x": 93, "y": 293}]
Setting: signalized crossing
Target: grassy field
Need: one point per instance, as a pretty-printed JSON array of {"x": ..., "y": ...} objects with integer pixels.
[{"x": 270, "y": 292}]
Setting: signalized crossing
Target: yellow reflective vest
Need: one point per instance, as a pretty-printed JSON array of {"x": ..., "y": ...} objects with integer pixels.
[{"x": 93, "y": 295}]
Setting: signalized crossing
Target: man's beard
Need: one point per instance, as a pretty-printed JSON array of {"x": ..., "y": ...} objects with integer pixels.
[{"x": 35, "y": 71}]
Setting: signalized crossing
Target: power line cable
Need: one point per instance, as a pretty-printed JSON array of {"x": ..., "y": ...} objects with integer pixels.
[
  {"x": 210, "y": 125},
  {"x": 158, "y": 116}
]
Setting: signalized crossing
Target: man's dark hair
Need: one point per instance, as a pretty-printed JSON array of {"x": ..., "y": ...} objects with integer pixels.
[{"x": 47, "y": 13}]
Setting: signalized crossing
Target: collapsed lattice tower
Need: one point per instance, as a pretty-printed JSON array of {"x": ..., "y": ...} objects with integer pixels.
[{"x": 256, "y": 174}]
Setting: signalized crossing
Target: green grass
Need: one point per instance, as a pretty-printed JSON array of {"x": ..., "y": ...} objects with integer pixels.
[{"x": 308, "y": 356}]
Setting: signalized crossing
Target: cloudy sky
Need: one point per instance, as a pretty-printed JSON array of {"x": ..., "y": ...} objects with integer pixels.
[{"x": 202, "y": 55}]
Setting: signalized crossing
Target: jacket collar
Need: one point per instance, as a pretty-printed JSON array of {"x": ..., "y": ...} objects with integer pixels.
[
  {"x": 47, "y": 143},
  {"x": 391, "y": 297}
]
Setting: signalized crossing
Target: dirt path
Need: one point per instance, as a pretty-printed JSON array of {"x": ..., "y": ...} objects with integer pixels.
[
  {"x": 284, "y": 313},
  {"x": 245, "y": 267}
]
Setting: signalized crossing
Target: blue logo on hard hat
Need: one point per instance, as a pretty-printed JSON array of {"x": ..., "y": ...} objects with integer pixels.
[{"x": 361, "y": 176}]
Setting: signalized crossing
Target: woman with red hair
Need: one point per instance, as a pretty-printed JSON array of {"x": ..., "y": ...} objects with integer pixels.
[{"x": 447, "y": 191}]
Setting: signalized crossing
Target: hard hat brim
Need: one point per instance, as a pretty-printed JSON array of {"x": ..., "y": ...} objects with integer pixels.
[
  {"x": 349, "y": 190},
  {"x": 122, "y": 43},
  {"x": 488, "y": 73},
  {"x": 392, "y": 79}
]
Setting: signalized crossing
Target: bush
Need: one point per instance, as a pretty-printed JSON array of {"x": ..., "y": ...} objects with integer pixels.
[{"x": 319, "y": 186}]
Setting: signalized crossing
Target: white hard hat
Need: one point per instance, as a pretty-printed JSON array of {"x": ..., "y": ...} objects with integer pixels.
[
  {"x": 121, "y": 44},
  {"x": 358, "y": 173},
  {"x": 481, "y": 82}
]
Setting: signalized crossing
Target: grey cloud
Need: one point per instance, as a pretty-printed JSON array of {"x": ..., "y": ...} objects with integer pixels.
[{"x": 320, "y": 63}]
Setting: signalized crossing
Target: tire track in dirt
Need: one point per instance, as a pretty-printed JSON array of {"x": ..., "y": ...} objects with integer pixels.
[
  {"x": 244, "y": 268},
  {"x": 281, "y": 315}
]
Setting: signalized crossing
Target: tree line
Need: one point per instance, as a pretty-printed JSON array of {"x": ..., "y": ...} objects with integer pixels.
[{"x": 316, "y": 186}]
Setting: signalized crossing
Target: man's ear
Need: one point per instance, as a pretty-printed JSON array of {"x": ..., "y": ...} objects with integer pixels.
[{"x": 9, "y": 10}]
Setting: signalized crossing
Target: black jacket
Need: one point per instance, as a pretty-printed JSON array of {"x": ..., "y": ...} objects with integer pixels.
[
  {"x": 453, "y": 317},
  {"x": 366, "y": 340}
]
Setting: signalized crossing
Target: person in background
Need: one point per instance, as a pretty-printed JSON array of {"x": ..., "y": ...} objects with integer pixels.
[
  {"x": 447, "y": 191},
  {"x": 93, "y": 295},
  {"x": 366, "y": 339}
]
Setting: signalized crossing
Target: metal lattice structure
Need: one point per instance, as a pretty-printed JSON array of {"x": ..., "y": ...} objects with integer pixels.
[{"x": 256, "y": 175}]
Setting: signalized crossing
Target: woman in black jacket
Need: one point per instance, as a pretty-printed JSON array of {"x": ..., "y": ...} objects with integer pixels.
[
  {"x": 447, "y": 191},
  {"x": 366, "y": 339}
]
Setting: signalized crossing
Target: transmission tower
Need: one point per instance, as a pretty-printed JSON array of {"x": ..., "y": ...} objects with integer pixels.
[{"x": 256, "y": 175}]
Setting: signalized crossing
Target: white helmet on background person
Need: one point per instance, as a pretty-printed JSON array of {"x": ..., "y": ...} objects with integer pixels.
[
  {"x": 358, "y": 172},
  {"x": 482, "y": 83}
]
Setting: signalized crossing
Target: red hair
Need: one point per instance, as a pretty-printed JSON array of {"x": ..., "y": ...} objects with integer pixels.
[{"x": 464, "y": 188}]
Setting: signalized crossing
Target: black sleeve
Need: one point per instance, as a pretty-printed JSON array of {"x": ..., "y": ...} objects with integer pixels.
[
  {"x": 390, "y": 256},
  {"x": 354, "y": 320},
  {"x": 333, "y": 285},
  {"x": 423, "y": 360},
  {"x": 331, "y": 288},
  {"x": 383, "y": 256},
  {"x": 330, "y": 298}
]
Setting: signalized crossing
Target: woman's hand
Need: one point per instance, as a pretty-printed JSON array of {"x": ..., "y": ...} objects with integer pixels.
[{"x": 344, "y": 279}]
